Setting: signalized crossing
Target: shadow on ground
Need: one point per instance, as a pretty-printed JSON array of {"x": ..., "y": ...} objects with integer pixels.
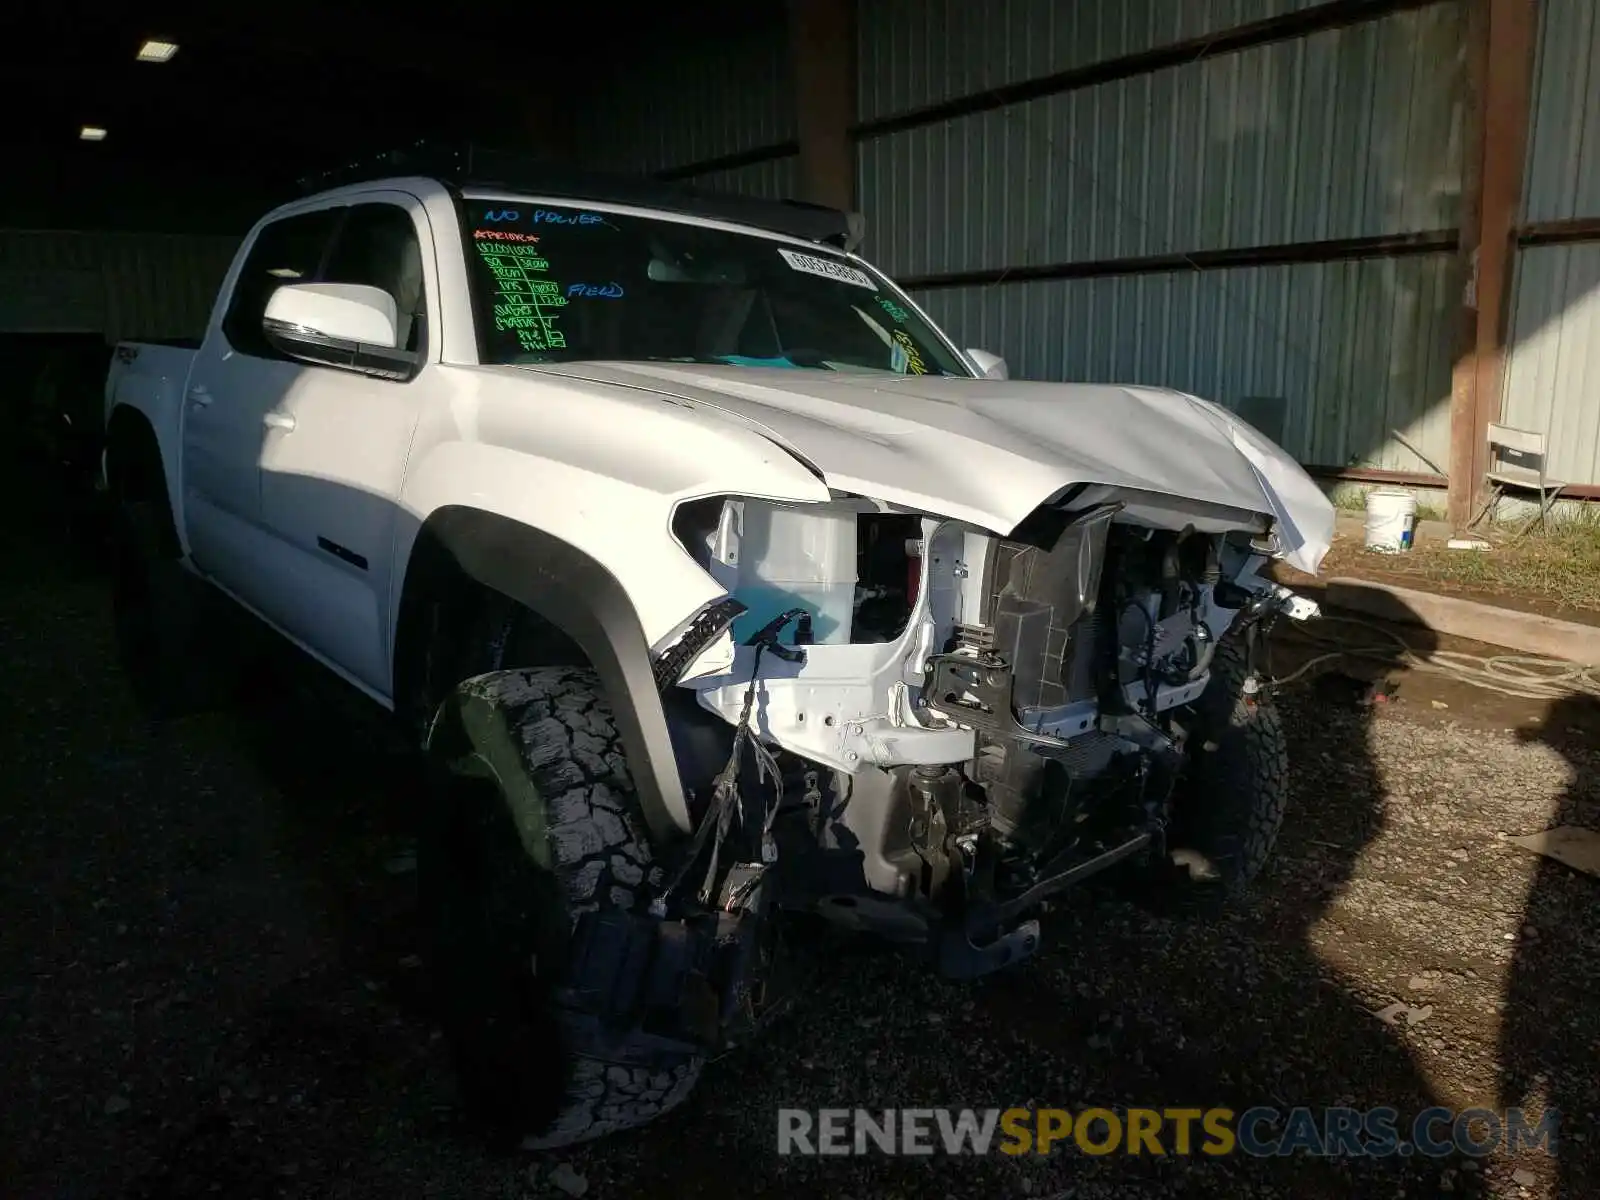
[
  {"x": 212, "y": 989},
  {"x": 1552, "y": 1018}
]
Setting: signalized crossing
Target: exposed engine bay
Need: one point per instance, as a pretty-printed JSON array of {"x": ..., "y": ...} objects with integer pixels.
[{"x": 945, "y": 720}]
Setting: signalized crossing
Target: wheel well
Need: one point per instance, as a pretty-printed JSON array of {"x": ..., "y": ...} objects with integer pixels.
[
  {"x": 566, "y": 609},
  {"x": 134, "y": 472},
  {"x": 452, "y": 626}
]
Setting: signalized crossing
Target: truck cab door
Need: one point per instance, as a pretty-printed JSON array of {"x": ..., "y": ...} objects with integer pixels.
[
  {"x": 235, "y": 380},
  {"x": 334, "y": 452}
]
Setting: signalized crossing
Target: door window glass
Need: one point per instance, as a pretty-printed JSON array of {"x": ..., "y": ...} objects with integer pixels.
[
  {"x": 286, "y": 251},
  {"x": 377, "y": 245}
]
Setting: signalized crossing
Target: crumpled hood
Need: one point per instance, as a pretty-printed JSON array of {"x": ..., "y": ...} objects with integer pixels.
[{"x": 991, "y": 451}]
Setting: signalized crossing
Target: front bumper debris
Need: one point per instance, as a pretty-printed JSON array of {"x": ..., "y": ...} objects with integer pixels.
[{"x": 971, "y": 942}]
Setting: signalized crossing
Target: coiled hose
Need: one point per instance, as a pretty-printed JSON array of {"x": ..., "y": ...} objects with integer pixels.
[{"x": 1527, "y": 676}]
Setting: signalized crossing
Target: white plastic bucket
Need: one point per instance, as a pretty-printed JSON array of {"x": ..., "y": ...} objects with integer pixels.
[{"x": 1391, "y": 520}]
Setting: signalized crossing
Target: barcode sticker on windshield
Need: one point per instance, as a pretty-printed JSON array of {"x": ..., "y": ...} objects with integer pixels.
[{"x": 828, "y": 269}]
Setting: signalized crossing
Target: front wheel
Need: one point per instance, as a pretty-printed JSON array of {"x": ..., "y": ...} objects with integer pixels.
[
  {"x": 1230, "y": 801},
  {"x": 532, "y": 825}
]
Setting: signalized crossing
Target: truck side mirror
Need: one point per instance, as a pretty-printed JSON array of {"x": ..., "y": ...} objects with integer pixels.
[
  {"x": 990, "y": 366},
  {"x": 349, "y": 325}
]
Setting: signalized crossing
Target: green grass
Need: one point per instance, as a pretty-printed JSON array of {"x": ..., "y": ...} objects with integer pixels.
[
  {"x": 1349, "y": 499},
  {"x": 1560, "y": 564},
  {"x": 1354, "y": 499}
]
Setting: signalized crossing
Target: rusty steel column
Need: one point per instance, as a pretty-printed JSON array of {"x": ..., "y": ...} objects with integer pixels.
[
  {"x": 1499, "y": 79},
  {"x": 1464, "y": 375},
  {"x": 822, "y": 39}
]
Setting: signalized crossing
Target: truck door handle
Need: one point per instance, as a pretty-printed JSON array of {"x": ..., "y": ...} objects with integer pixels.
[
  {"x": 278, "y": 420},
  {"x": 199, "y": 395}
]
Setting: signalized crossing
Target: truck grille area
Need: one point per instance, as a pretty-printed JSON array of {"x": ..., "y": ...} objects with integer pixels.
[{"x": 1042, "y": 609}]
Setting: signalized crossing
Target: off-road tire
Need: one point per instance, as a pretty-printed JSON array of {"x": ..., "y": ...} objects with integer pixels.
[
  {"x": 1231, "y": 799},
  {"x": 532, "y": 822},
  {"x": 156, "y": 614}
]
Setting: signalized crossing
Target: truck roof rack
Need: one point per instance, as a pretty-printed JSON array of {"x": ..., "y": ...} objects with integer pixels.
[{"x": 471, "y": 166}]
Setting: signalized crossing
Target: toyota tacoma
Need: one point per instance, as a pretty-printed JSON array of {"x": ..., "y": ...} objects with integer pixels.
[{"x": 714, "y": 583}]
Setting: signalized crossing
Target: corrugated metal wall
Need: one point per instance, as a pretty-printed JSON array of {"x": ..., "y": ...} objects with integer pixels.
[
  {"x": 1553, "y": 372},
  {"x": 1553, "y": 380},
  {"x": 1563, "y": 179},
  {"x": 700, "y": 98},
  {"x": 1351, "y": 132},
  {"x": 919, "y": 52},
  {"x": 1347, "y": 133},
  {"x": 1328, "y": 359},
  {"x": 125, "y": 285}
]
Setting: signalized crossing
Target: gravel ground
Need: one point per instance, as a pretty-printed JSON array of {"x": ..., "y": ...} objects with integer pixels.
[{"x": 210, "y": 985}]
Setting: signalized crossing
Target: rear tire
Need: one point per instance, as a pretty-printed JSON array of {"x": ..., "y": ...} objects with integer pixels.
[
  {"x": 155, "y": 614},
  {"x": 533, "y": 823}
]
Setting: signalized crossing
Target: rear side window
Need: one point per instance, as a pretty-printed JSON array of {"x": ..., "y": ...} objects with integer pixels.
[{"x": 286, "y": 251}]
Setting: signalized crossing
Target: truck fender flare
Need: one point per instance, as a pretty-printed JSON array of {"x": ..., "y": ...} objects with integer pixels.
[
  {"x": 130, "y": 434},
  {"x": 132, "y": 466},
  {"x": 579, "y": 596}
]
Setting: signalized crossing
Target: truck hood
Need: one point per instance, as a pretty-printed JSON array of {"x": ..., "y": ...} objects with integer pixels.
[{"x": 989, "y": 451}]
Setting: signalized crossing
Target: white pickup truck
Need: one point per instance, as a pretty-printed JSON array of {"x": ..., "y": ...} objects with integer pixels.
[{"x": 714, "y": 580}]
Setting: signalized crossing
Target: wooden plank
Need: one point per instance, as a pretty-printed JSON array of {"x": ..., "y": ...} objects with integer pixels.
[{"x": 1457, "y": 616}]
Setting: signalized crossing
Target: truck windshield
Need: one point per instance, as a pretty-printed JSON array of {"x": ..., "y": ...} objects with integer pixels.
[{"x": 563, "y": 284}]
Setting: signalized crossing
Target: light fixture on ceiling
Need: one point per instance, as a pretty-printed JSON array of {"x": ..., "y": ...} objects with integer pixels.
[
  {"x": 157, "y": 50},
  {"x": 92, "y": 133}
]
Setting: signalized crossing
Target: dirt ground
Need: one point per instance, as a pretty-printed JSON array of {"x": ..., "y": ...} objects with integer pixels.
[{"x": 209, "y": 983}]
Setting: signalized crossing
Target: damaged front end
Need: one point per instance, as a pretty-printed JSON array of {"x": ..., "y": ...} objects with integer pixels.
[{"x": 916, "y": 728}]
